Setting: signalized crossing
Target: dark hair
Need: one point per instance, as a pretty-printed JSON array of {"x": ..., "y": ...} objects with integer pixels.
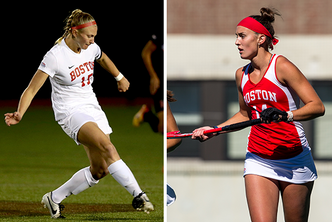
[
  {"x": 170, "y": 96},
  {"x": 266, "y": 19}
]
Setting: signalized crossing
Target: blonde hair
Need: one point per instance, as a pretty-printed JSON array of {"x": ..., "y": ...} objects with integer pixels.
[{"x": 76, "y": 18}]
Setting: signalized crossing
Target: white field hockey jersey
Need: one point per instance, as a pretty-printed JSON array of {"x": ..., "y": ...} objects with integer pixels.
[{"x": 71, "y": 77}]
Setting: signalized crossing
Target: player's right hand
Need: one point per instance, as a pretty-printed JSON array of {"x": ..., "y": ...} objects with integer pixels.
[
  {"x": 198, "y": 134},
  {"x": 123, "y": 85},
  {"x": 12, "y": 118}
]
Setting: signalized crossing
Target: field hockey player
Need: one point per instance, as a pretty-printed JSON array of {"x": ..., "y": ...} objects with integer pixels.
[{"x": 278, "y": 155}]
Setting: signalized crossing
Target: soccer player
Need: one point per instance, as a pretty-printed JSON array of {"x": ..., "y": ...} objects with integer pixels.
[
  {"x": 152, "y": 55},
  {"x": 69, "y": 65},
  {"x": 278, "y": 155}
]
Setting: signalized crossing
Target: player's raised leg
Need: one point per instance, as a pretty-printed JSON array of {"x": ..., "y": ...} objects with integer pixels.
[{"x": 105, "y": 159}]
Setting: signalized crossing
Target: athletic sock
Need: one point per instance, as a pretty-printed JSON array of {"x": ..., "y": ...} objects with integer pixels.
[
  {"x": 79, "y": 182},
  {"x": 123, "y": 175}
]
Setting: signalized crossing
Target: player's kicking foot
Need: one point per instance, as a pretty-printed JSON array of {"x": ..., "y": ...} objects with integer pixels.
[
  {"x": 54, "y": 208},
  {"x": 142, "y": 202},
  {"x": 139, "y": 116}
]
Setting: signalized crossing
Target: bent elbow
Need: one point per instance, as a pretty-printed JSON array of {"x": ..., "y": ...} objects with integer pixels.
[
  {"x": 322, "y": 110},
  {"x": 319, "y": 110},
  {"x": 146, "y": 54},
  {"x": 173, "y": 144}
]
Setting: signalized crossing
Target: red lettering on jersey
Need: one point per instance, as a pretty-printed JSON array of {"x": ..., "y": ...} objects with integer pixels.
[
  {"x": 83, "y": 79},
  {"x": 86, "y": 66},
  {"x": 91, "y": 64},
  {"x": 77, "y": 72},
  {"x": 72, "y": 75},
  {"x": 82, "y": 69},
  {"x": 89, "y": 78}
]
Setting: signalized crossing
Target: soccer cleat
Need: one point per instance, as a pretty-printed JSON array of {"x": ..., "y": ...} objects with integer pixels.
[
  {"x": 139, "y": 116},
  {"x": 142, "y": 202},
  {"x": 54, "y": 208}
]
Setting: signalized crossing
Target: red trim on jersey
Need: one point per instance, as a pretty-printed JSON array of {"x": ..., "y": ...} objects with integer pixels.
[{"x": 84, "y": 25}]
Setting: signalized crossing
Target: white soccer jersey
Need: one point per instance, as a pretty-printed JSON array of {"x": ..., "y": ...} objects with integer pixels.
[{"x": 71, "y": 76}]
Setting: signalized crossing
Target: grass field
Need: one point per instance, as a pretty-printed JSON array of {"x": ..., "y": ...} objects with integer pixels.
[{"x": 37, "y": 157}]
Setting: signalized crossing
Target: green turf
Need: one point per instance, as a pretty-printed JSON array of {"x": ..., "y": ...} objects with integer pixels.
[{"x": 37, "y": 156}]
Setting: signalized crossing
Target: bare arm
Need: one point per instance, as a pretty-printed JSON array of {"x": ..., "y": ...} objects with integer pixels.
[
  {"x": 148, "y": 49},
  {"x": 108, "y": 65},
  {"x": 288, "y": 74},
  {"x": 29, "y": 93},
  {"x": 171, "y": 126}
]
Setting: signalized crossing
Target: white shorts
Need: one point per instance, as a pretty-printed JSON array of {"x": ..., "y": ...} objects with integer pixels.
[
  {"x": 298, "y": 170},
  {"x": 78, "y": 117}
]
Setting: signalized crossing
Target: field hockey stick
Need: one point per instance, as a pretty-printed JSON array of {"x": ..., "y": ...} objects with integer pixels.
[{"x": 235, "y": 126}]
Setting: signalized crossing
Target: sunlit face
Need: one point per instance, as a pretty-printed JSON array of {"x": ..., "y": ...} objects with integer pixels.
[
  {"x": 246, "y": 42},
  {"x": 86, "y": 36}
]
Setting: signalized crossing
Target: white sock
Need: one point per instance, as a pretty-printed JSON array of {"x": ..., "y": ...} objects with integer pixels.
[
  {"x": 79, "y": 182},
  {"x": 123, "y": 175}
]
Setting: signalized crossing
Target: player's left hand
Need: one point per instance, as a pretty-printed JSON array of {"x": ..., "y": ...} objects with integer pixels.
[
  {"x": 123, "y": 85},
  {"x": 198, "y": 134},
  {"x": 273, "y": 114}
]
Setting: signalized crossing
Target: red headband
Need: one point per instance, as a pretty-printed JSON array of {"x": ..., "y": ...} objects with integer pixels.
[
  {"x": 84, "y": 25},
  {"x": 256, "y": 26}
]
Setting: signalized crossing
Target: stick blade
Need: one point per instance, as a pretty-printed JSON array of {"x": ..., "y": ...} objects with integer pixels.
[{"x": 177, "y": 134}]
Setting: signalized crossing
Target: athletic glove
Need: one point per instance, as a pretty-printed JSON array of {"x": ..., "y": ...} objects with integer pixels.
[{"x": 273, "y": 114}]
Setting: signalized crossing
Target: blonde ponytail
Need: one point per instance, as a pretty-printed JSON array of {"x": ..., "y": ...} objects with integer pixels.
[{"x": 77, "y": 17}]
